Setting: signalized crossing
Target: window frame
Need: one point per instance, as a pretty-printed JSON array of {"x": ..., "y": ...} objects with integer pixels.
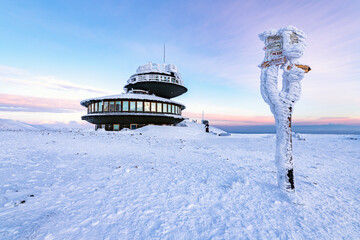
[
  {"x": 153, "y": 110},
  {"x": 149, "y": 106},
  {"x": 117, "y": 106},
  {"x": 169, "y": 108},
  {"x": 159, "y": 107},
  {"x": 137, "y": 106},
  {"x": 106, "y": 106},
  {"x": 112, "y": 103},
  {"x": 123, "y": 106},
  {"x": 132, "y": 104},
  {"x": 100, "y": 108}
]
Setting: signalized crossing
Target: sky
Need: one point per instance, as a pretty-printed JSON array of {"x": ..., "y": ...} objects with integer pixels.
[{"x": 53, "y": 54}]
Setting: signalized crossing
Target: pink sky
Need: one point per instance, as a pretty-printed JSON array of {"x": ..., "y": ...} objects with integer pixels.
[{"x": 219, "y": 119}]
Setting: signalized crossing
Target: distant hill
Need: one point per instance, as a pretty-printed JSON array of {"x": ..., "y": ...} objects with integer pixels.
[{"x": 8, "y": 124}]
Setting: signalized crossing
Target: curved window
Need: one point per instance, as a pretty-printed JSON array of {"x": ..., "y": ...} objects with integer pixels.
[
  {"x": 147, "y": 106},
  {"x": 118, "y": 106},
  {"x": 111, "y": 106},
  {"x": 139, "y": 106},
  {"x": 159, "y": 107},
  {"x": 132, "y": 106},
  {"x": 153, "y": 107},
  {"x": 106, "y": 107},
  {"x": 125, "y": 106}
]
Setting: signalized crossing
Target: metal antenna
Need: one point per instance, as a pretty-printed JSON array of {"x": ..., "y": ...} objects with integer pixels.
[{"x": 164, "y": 52}]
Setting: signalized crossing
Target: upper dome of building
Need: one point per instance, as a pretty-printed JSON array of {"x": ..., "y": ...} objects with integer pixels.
[{"x": 163, "y": 80}]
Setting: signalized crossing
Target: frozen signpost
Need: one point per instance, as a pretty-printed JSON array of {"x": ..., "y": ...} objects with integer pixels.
[{"x": 283, "y": 48}]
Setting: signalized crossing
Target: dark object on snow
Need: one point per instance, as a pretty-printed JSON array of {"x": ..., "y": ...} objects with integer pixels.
[
  {"x": 207, "y": 126},
  {"x": 225, "y": 134},
  {"x": 290, "y": 175},
  {"x": 205, "y": 122}
]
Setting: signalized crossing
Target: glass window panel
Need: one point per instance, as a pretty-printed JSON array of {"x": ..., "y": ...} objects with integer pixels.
[
  {"x": 125, "y": 106},
  {"x": 118, "y": 106},
  {"x": 106, "y": 107},
  {"x": 92, "y": 107},
  {"x": 139, "y": 106},
  {"x": 89, "y": 108},
  {"x": 165, "y": 107},
  {"x": 111, "y": 106},
  {"x": 147, "y": 106},
  {"x": 132, "y": 106},
  {"x": 116, "y": 127},
  {"x": 159, "y": 107},
  {"x": 153, "y": 107},
  {"x": 169, "y": 108},
  {"x": 172, "y": 108},
  {"x": 100, "y": 106},
  {"x": 96, "y": 107}
]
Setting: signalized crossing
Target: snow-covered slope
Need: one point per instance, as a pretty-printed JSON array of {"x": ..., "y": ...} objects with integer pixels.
[
  {"x": 7, "y": 124},
  {"x": 174, "y": 183}
]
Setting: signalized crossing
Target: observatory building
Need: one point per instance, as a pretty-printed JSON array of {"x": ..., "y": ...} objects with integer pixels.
[{"x": 147, "y": 100}]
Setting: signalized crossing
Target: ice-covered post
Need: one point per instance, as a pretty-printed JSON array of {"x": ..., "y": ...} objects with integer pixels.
[{"x": 283, "y": 48}]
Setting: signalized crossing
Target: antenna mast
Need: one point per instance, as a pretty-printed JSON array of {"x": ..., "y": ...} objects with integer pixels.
[{"x": 164, "y": 52}]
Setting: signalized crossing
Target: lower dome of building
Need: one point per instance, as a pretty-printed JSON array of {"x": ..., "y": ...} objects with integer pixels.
[{"x": 131, "y": 110}]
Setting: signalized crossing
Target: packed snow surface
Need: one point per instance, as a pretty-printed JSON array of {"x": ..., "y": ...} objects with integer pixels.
[{"x": 162, "y": 182}]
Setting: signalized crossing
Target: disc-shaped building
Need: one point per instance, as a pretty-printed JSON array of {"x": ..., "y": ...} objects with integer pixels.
[{"x": 147, "y": 100}]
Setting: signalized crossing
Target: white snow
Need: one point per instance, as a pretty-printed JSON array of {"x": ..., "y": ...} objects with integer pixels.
[
  {"x": 288, "y": 43},
  {"x": 8, "y": 124},
  {"x": 162, "y": 182}
]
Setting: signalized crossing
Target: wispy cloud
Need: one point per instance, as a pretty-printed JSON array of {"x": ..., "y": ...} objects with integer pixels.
[
  {"x": 22, "y": 77},
  {"x": 18, "y": 103}
]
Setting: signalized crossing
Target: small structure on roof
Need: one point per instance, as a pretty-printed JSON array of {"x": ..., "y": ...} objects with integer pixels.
[{"x": 147, "y": 100}]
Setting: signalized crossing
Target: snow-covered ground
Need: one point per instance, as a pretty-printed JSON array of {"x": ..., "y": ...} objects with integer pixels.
[{"x": 174, "y": 183}]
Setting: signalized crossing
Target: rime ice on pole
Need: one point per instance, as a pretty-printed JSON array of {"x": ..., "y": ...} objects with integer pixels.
[{"x": 283, "y": 48}]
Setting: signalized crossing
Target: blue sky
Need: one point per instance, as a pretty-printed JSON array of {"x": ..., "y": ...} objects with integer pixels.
[{"x": 56, "y": 53}]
